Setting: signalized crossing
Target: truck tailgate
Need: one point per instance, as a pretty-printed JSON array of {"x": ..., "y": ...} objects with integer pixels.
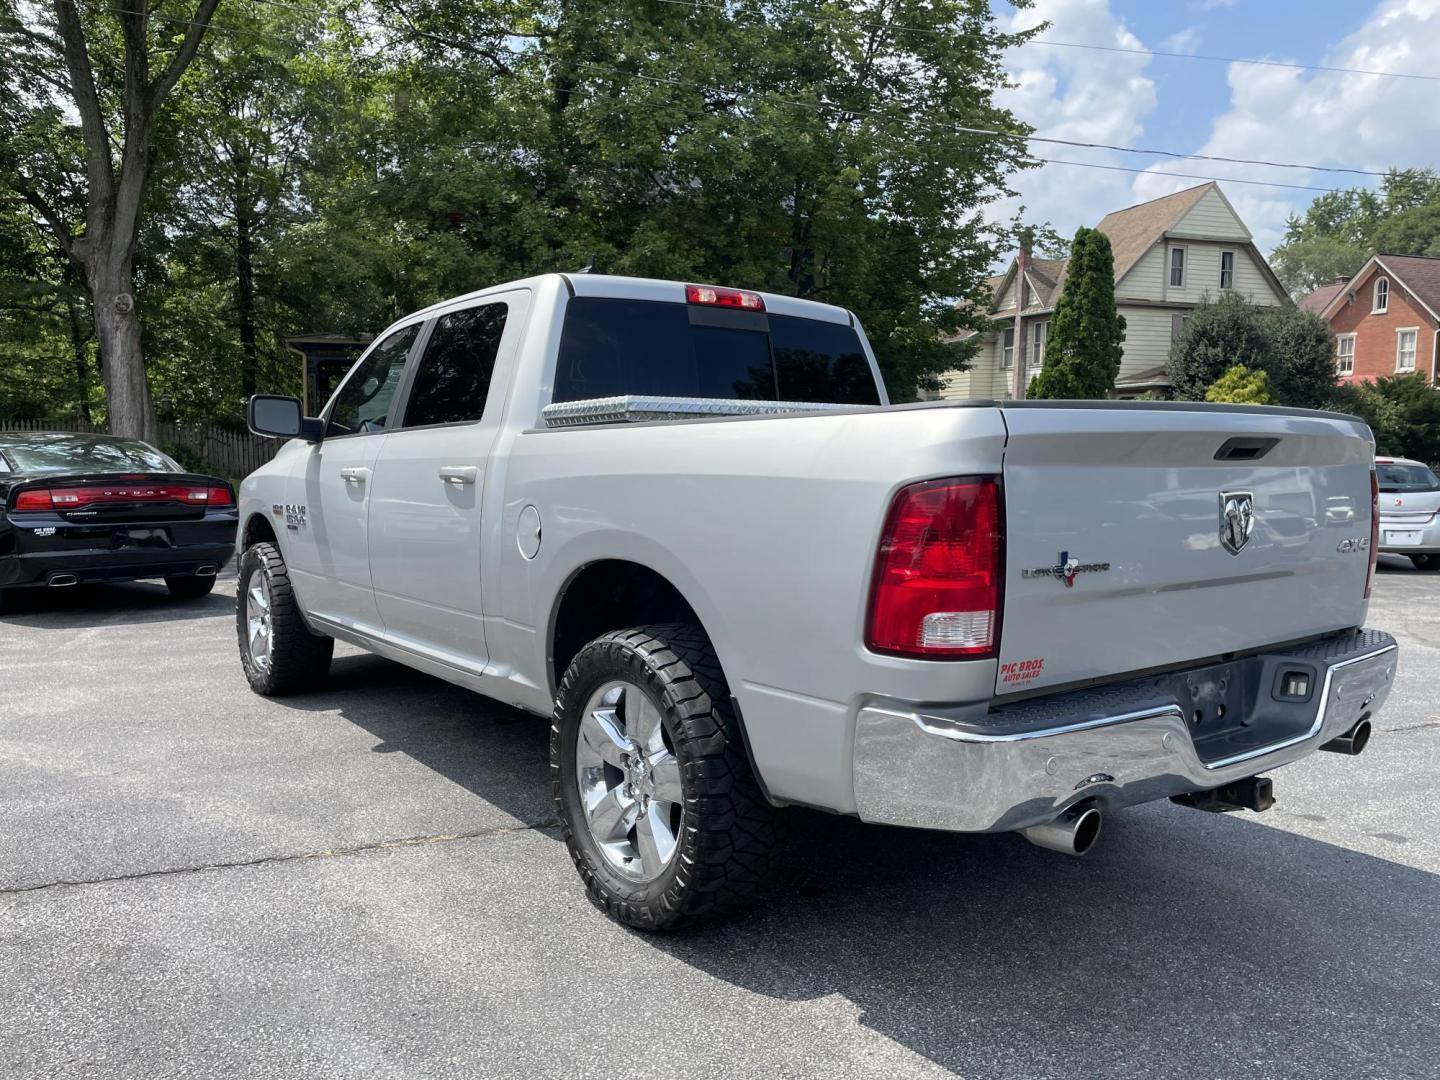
[{"x": 1144, "y": 538}]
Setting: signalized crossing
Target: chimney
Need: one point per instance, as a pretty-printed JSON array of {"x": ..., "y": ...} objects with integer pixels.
[
  {"x": 1022, "y": 301},
  {"x": 1343, "y": 279}
]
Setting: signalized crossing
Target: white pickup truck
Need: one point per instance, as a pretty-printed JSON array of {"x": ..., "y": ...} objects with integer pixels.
[{"x": 684, "y": 523}]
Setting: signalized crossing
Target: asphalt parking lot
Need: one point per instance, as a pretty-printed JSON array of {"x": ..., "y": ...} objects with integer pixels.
[{"x": 365, "y": 882}]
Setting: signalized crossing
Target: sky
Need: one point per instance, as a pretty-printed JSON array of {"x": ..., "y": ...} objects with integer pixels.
[{"x": 1196, "y": 106}]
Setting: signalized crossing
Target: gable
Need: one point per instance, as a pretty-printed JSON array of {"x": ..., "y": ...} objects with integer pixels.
[{"x": 1211, "y": 217}]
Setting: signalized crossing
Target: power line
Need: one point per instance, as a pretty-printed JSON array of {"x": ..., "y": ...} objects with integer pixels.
[
  {"x": 1187, "y": 176},
  {"x": 942, "y": 32}
]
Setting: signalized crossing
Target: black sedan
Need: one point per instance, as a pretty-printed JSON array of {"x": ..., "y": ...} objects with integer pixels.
[{"x": 77, "y": 508}]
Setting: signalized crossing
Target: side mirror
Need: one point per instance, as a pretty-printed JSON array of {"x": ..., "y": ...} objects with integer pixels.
[{"x": 278, "y": 417}]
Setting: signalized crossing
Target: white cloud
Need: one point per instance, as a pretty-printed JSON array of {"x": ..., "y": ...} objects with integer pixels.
[
  {"x": 1324, "y": 118},
  {"x": 1080, "y": 94},
  {"x": 1212, "y": 5},
  {"x": 1185, "y": 41}
]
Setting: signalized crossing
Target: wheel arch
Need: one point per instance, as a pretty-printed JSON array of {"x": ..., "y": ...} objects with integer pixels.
[
  {"x": 257, "y": 529},
  {"x": 610, "y": 594}
]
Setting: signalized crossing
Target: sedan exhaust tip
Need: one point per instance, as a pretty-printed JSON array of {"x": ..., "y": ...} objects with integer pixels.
[
  {"x": 1073, "y": 833},
  {"x": 59, "y": 581},
  {"x": 1353, "y": 742},
  {"x": 208, "y": 570}
]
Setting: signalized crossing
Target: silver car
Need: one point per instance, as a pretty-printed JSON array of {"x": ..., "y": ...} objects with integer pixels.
[{"x": 1409, "y": 510}]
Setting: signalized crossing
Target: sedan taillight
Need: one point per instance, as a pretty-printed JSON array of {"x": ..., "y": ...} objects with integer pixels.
[
  {"x": 73, "y": 498},
  {"x": 936, "y": 589}
]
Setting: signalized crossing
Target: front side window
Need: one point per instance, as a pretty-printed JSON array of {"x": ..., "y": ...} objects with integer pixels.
[
  {"x": 1345, "y": 354},
  {"x": 1405, "y": 349},
  {"x": 1007, "y": 347},
  {"x": 453, "y": 378},
  {"x": 1382, "y": 296},
  {"x": 1177, "y": 267},
  {"x": 363, "y": 402},
  {"x": 1227, "y": 269}
]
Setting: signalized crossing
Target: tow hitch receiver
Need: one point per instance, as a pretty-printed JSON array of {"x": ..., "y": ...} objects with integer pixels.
[{"x": 1253, "y": 793}]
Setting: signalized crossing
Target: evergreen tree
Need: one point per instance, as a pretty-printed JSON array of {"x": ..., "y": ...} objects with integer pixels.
[
  {"x": 1084, "y": 344},
  {"x": 1241, "y": 386}
]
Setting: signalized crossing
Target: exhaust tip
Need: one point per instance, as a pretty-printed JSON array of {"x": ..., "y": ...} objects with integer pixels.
[
  {"x": 59, "y": 581},
  {"x": 1073, "y": 833},
  {"x": 208, "y": 570},
  {"x": 1087, "y": 830},
  {"x": 1353, "y": 742}
]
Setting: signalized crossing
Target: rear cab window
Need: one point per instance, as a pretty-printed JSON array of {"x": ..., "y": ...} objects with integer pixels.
[{"x": 611, "y": 347}]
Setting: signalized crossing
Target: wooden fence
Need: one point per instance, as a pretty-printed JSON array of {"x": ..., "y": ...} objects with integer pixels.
[{"x": 233, "y": 454}]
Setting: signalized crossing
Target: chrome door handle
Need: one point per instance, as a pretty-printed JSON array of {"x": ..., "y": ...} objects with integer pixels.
[
  {"x": 357, "y": 474},
  {"x": 458, "y": 475}
]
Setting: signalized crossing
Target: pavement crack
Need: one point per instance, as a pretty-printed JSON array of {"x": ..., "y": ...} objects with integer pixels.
[
  {"x": 1411, "y": 727},
  {"x": 266, "y": 860}
]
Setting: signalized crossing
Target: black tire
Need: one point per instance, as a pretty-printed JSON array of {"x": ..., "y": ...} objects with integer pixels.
[
  {"x": 299, "y": 660},
  {"x": 1426, "y": 562},
  {"x": 190, "y": 588},
  {"x": 727, "y": 831}
]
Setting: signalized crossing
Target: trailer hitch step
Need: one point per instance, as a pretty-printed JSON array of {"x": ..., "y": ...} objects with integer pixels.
[{"x": 1255, "y": 793}]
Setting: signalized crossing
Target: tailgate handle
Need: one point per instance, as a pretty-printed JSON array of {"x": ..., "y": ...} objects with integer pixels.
[{"x": 1244, "y": 448}]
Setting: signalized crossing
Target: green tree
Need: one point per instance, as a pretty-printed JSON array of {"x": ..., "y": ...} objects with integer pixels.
[
  {"x": 1403, "y": 411},
  {"x": 1087, "y": 333},
  {"x": 1341, "y": 229},
  {"x": 1241, "y": 386},
  {"x": 112, "y": 67},
  {"x": 1292, "y": 347}
]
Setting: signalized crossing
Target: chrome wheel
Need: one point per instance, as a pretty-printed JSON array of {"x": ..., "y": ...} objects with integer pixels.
[
  {"x": 257, "y": 620},
  {"x": 629, "y": 780}
]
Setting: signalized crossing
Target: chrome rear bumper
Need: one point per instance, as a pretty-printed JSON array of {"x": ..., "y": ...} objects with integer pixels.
[{"x": 914, "y": 766}]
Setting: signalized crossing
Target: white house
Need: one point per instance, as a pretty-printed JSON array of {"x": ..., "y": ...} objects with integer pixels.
[{"x": 1170, "y": 253}]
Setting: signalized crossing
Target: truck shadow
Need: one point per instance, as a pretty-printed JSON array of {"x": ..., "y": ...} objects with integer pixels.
[{"x": 1221, "y": 942}]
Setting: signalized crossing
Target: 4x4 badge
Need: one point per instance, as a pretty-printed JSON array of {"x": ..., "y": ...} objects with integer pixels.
[{"x": 1237, "y": 519}]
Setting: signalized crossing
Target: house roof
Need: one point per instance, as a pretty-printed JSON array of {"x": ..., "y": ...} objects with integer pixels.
[
  {"x": 1417, "y": 274},
  {"x": 1134, "y": 230},
  {"x": 1319, "y": 300}
]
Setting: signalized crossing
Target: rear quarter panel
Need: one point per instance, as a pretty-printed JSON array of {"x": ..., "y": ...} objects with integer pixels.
[{"x": 768, "y": 527}]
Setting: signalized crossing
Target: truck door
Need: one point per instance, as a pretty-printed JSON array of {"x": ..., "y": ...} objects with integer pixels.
[
  {"x": 328, "y": 551},
  {"x": 429, "y": 482}
]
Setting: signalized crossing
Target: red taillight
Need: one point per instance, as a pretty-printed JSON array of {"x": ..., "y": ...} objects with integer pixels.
[
  {"x": 1374, "y": 531},
  {"x": 37, "y": 499},
  {"x": 936, "y": 591},
  {"x": 715, "y": 296},
  {"x": 73, "y": 498}
]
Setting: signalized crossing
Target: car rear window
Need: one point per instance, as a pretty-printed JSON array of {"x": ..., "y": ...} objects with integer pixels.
[
  {"x": 1408, "y": 477},
  {"x": 62, "y": 453},
  {"x": 611, "y": 347}
]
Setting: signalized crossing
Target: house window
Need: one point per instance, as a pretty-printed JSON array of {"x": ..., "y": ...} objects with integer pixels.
[
  {"x": 1177, "y": 324},
  {"x": 1405, "y": 348},
  {"x": 1345, "y": 354},
  {"x": 1177, "y": 267},
  {"x": 1007, "y": 347},
  {"x": 1037, "y": 343},
  {"x": 1382, "y": 297},
  {"x": 1227, "y": 269}
]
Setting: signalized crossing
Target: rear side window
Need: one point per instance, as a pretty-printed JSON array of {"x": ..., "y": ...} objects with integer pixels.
[
  {"x": 611, "y": 347},
  {"x": 453, "y": 379},
  {"x": 363, "y": 402}
]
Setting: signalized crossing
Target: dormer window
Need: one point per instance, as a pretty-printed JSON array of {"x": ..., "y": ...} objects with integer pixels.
[{"x": 1382, "y": 297}]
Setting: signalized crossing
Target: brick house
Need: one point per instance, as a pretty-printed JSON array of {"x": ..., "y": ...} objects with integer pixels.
[{"x": 1384, "y": 318}]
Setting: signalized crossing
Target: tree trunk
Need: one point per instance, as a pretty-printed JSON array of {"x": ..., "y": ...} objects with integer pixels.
[
  {"x": 245, "y": 299},
  {"x": 117, "y": 325}
]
